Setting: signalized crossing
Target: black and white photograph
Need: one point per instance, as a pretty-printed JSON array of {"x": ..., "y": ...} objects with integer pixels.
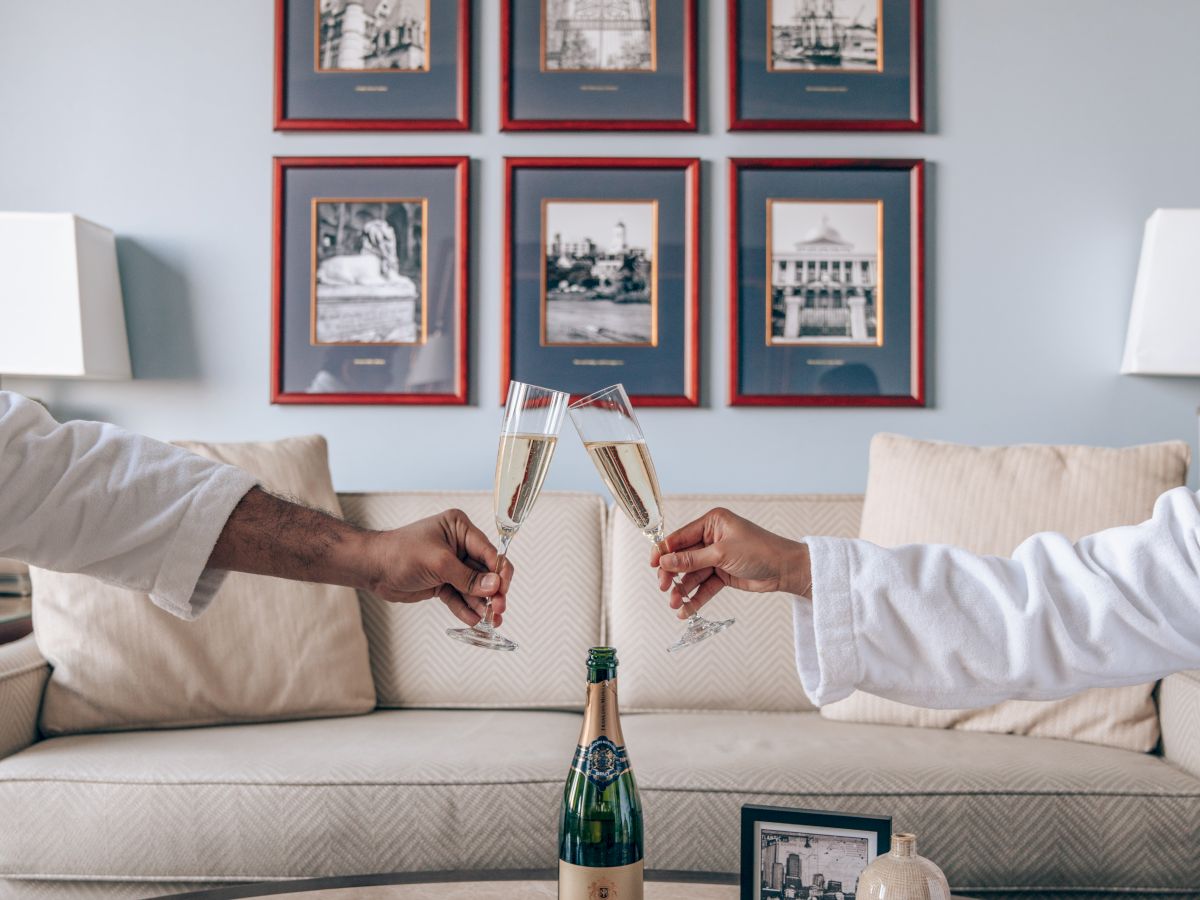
[
  {"x": 600, "y": 284},
  {"x": 834, "y": 35},
  {"x": 369, "y": 271},
  {"x": 598, "y": 35},
  {"x": 825, "y": 262},
  {"x": 357, "y": 35},
  {"x": 810, "y": 861}
]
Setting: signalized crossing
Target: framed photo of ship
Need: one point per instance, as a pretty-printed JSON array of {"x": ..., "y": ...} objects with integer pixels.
[
  {"x": 826, "y": 65},
  {"x": 598, "y": 65},
  {"x": 370, "y": 280},
  {"x": 826, "y": 282},
  {"x": 372, "y": 65},
  {"x": 601, "y": 276},
  {"x": 807, "y": 853}
]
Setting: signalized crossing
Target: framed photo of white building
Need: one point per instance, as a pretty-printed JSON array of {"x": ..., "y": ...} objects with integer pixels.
[
  {"x": 370, "y": 281},
  {"x": 827, "y": 293},
  {"x": 372, "y": 65},
  {"x": 601, "y": 276}
]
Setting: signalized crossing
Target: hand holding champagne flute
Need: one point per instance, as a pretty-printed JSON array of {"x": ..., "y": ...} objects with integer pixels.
[
  {"x": 614, "y": 441},
  {"x": 532, "y": 418}
]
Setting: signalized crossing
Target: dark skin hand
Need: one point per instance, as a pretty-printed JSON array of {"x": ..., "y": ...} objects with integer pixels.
[
  {"x": 443, "y": 556},
  {"x": 721, "y": 549}
]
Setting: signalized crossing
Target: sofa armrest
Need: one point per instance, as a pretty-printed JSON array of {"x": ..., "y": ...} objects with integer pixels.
[
  {"x": 1179, "y": 717},
  {"x": 23, "y": 676}
]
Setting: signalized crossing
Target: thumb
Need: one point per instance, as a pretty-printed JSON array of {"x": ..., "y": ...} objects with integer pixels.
[{"x": 467, "y": 581}]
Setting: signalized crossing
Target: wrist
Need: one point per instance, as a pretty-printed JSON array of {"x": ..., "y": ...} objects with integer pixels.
[
  {"x": 356, "y": 560},
  {"x": 795, "y": 575}
]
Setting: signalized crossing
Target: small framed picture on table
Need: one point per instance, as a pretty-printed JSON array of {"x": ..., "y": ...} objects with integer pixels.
[
  {"x": 370, "y": 280},
  {"x": 601, "y": 276},
  {"x": 372, "y": 65},
  {"x": 598, "y": 65},
  {"x": 807, "y": 853},
  {"x": 826, "y": 65},
  {"x": 826, "y": 282}
]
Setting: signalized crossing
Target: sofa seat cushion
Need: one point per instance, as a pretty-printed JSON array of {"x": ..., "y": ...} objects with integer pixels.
[
  {"x": 391, "y": 791},
  {"x": 995, "y": 811}
]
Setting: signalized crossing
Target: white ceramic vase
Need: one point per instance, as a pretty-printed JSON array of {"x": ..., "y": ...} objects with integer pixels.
[{"x": 903, "y": 875}]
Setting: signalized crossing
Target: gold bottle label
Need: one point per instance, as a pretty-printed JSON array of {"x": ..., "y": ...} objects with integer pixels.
[
  {"x": 587, "y": 883},
  {"x": 601, "y": 755}
]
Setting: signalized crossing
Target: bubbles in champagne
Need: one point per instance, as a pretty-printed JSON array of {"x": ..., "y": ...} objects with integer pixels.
[
  {"x": 521, "y": 466},
  {"x": 629, "y": 473}
]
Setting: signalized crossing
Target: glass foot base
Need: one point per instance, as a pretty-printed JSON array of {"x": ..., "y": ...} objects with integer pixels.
[
  {"x": 698, "y": 629},
  {"x": 482, "y": 635}
]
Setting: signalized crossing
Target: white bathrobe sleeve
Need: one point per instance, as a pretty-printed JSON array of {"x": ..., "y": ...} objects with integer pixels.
[
  {"x": 936, "y": 626},
  {"x": 90, "y": 498}
]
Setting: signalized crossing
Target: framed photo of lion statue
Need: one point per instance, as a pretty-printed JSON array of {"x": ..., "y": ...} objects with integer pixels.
[{"x": 370, "y": 280}]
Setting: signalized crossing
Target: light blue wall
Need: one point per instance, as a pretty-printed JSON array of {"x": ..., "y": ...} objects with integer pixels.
[{"x": 1055, "y": 129}]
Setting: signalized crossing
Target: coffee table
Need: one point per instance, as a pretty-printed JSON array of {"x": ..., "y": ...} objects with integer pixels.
[{"x": 537, "y": 885}]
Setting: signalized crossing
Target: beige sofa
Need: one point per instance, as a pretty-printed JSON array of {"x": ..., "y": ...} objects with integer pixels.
[{"x": 468, "y": 773}]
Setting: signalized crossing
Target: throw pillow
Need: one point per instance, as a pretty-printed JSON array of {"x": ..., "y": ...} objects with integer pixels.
[
  {"x": 265, "y": 649},
  {"x": 988, "y": 500}
]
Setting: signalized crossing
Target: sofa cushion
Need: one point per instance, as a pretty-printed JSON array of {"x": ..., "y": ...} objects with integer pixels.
[
  {"x": 751, "y": 666},
  {"x": 398, "y": 790},
  {"x": 988, "y": 500},
  {"x": 404, "y": 790},
  {"x": 264, "y": 649},
  {"x": 554, "y": 609}
]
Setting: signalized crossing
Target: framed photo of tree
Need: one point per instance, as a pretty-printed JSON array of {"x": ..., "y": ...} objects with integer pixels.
[
  {"x": 826, "y": 282},
  {"x": 372, "y": 65},
  {"x": 601, "y": 276},
  {"x": 826, "y": 65},
  {"x": 598, "y": 65},
  {"x": 370, "y": 280}
]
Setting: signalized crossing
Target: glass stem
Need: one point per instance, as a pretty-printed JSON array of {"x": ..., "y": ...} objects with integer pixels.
[
  {"x": 660, "y": 542},
  {"x": 486, "y": 622}
]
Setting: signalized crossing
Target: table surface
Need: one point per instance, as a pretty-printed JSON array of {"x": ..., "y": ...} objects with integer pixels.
[{"x": 470, "y": 886}]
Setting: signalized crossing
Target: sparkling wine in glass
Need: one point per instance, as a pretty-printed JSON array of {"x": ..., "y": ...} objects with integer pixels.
[
  {"x": 532, "y": 418},
  {"x": 616, "y": 445}
]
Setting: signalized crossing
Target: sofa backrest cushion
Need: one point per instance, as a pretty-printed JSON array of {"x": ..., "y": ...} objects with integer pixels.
[
  {"x": 988, "y": 500},
  {"x": 554, "y": 609},
  {"x": 751, "y": 666},
  {"x": 265, "y": 649}
]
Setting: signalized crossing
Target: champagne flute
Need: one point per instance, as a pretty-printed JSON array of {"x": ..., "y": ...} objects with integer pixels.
[
  {"x": 614, "y": 440},
  {"x": 532, "y": 418}
]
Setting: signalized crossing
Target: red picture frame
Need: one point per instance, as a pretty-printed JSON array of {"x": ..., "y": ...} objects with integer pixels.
[
  {"x": 689, "y": 122},
  {"x": 462, "y": 169},
  {"x": 917, "y": 248},
  {"x": 914, "y": 122},
  {"x": 690, "y": 166},
  {"x": 461, "y": 122}
]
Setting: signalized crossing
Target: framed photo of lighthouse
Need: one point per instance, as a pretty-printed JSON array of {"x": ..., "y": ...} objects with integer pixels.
[
  {"x": 601, "y": 276},
  {"x": 372, "y": 65},
  {"x": 826, "y": 65},
  {"x": 598, "y": 65},
  {"x": 826, "y": 282},
  {"x": 370, "y": 280}
]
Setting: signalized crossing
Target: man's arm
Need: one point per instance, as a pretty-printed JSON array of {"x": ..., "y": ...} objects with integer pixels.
[
  {"x": 91, "y": 498},
  {"x": 937, "y": 626},
  {"x": 444, "y": 556}
]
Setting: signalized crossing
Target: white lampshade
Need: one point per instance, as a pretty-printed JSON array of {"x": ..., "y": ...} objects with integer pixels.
[
  {"x": 61, "y": 312},
  {"x": 1164, "y": 325}
]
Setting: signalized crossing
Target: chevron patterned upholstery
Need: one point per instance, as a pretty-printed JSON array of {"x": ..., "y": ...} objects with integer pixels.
[
  {"x": 752, "y": 666},
  {"x": 23, "y": 676},
  {"x": 404, "y": 790},
  {"x": 554, "y": 609},
  {"x": 1179, "y": 716}
]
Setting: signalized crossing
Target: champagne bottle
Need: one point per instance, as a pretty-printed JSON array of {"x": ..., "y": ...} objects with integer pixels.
[{"x": 600, "y": 845}]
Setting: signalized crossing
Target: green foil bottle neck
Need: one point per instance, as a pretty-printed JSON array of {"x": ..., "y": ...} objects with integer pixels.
[{"x": 601, "y": 664}]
